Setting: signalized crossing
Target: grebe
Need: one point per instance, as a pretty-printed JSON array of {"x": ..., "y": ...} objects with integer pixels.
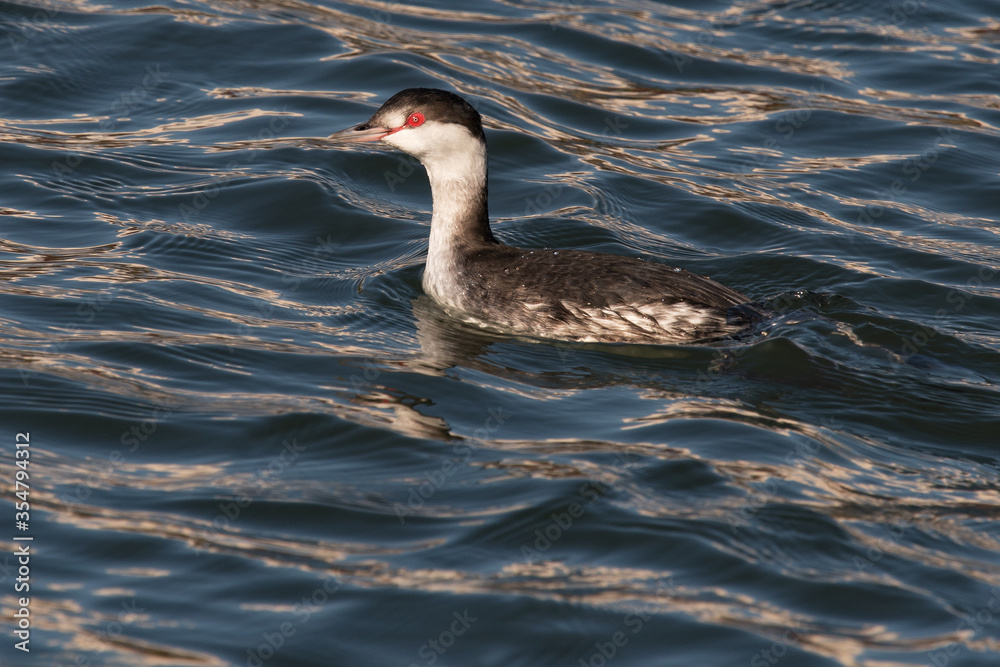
[{"x": 570, "y": 295}]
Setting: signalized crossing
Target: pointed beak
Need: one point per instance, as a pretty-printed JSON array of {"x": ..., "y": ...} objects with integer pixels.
[{"x": 360, "y": 133}]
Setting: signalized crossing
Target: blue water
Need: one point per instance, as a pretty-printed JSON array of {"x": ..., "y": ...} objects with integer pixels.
[{"x": 253, "y": 441}]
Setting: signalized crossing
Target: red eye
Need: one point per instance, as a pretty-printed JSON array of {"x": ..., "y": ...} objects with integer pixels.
[{"x": 416, "y": 119}]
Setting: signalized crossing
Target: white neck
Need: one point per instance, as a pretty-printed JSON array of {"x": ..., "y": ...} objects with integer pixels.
[
  {"x": 455, "y": 217},
  {"x": 456, "y": 167}
]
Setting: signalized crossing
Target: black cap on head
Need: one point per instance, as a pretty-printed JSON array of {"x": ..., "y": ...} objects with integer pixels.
[{"x": 435, "y": 104}]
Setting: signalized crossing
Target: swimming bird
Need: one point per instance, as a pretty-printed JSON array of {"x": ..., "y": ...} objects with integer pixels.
[{"x": 569, "y": 295}]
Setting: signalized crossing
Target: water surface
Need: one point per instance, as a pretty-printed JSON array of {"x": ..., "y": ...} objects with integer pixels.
[{"x": 255, "y": 442}]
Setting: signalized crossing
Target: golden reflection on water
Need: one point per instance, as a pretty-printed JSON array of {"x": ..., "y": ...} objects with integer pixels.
[
  {"x": 848, "y": 494},
  {"x": 87, "y": 630},
  {"x": 508, "y": 62}
]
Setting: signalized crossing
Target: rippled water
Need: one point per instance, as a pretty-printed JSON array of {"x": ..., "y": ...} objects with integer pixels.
[{"x": 253, "y": 442}]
